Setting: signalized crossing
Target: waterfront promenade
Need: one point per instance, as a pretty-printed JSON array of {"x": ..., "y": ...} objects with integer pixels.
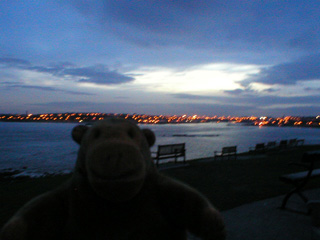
[
  {"x": 250, "y": 195},
  {"x": 247, "y": 191}
]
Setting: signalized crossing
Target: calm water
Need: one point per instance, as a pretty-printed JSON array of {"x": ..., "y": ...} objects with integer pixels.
[{"x": 48, "y": 147}]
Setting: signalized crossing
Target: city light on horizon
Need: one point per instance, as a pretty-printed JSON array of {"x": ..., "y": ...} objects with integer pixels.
[{"x": 292, "y": 121}]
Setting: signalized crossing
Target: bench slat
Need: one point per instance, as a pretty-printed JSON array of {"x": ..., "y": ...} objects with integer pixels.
[
  {"x": 170, "y": 151},
  {"x": 299, "y": 175},
  {"x": 227, "y": 151}
]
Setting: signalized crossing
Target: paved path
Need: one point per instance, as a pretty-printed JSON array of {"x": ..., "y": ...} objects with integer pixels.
[{"x": 263, "y": 220}]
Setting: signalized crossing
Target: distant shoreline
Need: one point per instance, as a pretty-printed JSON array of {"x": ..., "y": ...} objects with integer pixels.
[
  {"x": 173, "y": 123},
  {"x": 86, "y": 118}
]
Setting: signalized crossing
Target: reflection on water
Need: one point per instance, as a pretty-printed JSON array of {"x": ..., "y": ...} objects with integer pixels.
[{"x": 224, "y": 134}]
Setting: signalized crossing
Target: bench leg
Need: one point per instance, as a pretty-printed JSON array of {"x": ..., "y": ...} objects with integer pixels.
[
  {"x": 285, "y": 200},
  {"x": 295, "y": 191},
  {"x": 303, "y": 197}
]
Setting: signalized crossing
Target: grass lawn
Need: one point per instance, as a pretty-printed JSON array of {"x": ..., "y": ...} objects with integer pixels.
[{"x": 227, "y": 183}]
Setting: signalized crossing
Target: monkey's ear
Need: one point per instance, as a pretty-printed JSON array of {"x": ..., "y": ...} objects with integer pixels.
[
  {"x": 78, "y": 133},
  {"x": 150, "y": 136}
]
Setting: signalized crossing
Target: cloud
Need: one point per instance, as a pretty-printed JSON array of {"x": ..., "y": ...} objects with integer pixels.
[
  {"x": 97, "y": 74},
  {"x": 223, "y": 26},
  {"x": 192, "y": 96},
  {"x": 179, "y": 35},
  {"x": 309, "y": 89},
  {"x": 161, "y": 32},
  {"x": 13, "y": 85},
  {"x": 177, "y": 108},
  {"x": 248, "y": 91},
  {"x": 255, "y": 100},
  {"x": 309, "y": 39},
  {"x": 304, "y": 69},
  {"x": 240, "y": 91},
  {"x": 141, "y": 108},
  {"x": 270, "y": 90},
  {"x": 14, "y": 62}
]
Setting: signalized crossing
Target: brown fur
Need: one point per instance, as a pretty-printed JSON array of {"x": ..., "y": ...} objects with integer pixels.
[{"x": 116, "y": 193}]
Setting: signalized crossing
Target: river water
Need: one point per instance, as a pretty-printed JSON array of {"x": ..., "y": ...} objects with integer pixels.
[{"x": 48, "y": 147}]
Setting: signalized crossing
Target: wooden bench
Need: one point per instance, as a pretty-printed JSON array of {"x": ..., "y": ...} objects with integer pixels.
[
  {"x": 226, "y": 152},
  {"x": 170, "y": 151},
  {"x": 283, "y": 144},
  {"x": 260, "y": 147},
  {"x": 300, "y": 179},
  {"x": 271, "y": 145},
  {"x": 291, "y": 143}
]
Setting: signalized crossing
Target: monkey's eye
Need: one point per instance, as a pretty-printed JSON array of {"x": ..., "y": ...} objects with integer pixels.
[
  {"x": 131, "y": 133},
  {"x": 96, "y": 133}
]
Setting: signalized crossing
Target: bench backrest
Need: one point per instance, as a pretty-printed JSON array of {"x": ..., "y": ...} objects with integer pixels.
[
  {"x": 300, "y": 142},
  {"x": 271, "y": 144},
  {"x": 232, "y": 149},
  {"x": 171, "y": 149},
  {"x": 292, "y": 141},
  {"x": 283, "y": 143},
  {"x": 259, "y": 146}
]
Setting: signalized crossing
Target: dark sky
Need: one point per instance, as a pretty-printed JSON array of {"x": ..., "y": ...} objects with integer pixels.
[{"x": 160, "y": 57}]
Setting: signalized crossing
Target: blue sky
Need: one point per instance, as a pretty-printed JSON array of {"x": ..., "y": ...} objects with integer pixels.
[{"x": 160, "y": 57}]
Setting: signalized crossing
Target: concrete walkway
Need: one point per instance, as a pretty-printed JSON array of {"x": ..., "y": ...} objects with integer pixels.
[{"x": 263, "y": 220}]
